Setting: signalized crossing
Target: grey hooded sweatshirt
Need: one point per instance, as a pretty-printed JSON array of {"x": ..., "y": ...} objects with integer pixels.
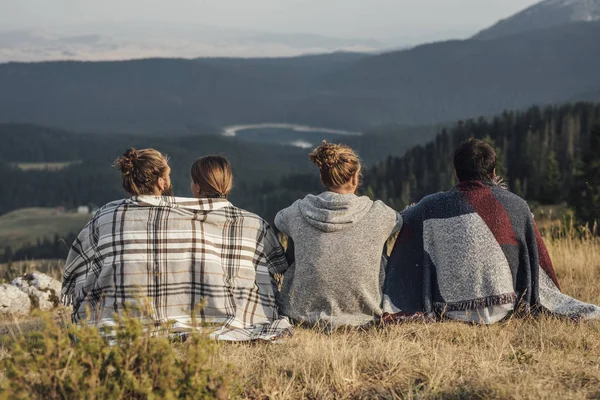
[{"x": 338, "y": 242}]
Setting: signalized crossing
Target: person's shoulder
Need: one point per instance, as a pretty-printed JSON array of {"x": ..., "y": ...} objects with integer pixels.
[
  {"x": 292, "y": 208},
  {"x": 509, "y": 200},
  {"x": 111, "y": 207},
  {"x": 382, "y": 208},
  {"x": 247, "y": 218},
  {"x": 434, "y": 198}
]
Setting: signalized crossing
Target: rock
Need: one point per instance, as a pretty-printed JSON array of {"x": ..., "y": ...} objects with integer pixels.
[
  {"x": 43, "y": 290},
  {"x": 14, "y": 301}
]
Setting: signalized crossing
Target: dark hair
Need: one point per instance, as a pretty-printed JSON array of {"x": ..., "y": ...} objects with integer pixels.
[
  {"x": 213, "y": 175},
  {"x": 140, "y": 170},
  {"x": 474, "y": 160},
  {"x": 338, "y": 163}
]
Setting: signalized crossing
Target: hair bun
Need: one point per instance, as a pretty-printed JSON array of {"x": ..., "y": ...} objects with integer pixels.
[
  {"x": 326, "y": 155},
  {"x": 125, "y": 162}
]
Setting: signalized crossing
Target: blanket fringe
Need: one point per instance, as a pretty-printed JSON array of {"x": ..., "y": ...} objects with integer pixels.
[
  {"x": 67, "y": 299},
  {"x": 482, "y": 302}
]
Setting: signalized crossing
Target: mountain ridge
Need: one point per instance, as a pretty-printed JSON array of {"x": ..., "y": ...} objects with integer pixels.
[
  {"x": 545, "y": 14},
  {"x": 428, "y": 84}
]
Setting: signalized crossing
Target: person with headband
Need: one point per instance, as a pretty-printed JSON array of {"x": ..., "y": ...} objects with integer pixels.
[
  {"x": 177, "y": 263},
  {"x": 338, "y": 239}
]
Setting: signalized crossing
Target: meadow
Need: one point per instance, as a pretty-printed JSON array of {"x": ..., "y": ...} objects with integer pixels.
[
  {"x": 521, "y": 358},
  {"x": 28, "y": 225}
]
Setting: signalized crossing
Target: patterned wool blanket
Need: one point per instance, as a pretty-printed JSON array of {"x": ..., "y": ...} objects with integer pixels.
[
  {"x": 472, "y": 248},
  {"x": 181, "y": 262}
]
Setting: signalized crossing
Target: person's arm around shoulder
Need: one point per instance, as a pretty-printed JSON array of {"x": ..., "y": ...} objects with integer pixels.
[
  {"x": 276, "y": 260},
  {"x": 395, "y": 217},
  {"x": 282, "y": 220},
  {"x": 399, "y": 223}
]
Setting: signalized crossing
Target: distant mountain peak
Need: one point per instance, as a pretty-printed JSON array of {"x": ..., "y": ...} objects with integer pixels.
[{"x": 545, "y": 14}]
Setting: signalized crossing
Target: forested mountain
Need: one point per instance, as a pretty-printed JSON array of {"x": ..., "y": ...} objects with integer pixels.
[
  {"x": 546, "y": 14},
  {"x": 459, "y": 79},
  {"x": 540, "y": 151},
  {"x": 297, "y": 73},
  {"x": 428, "y": 84}
]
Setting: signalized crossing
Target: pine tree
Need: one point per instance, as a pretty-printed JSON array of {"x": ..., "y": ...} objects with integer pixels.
[
  {"x": 8, "y": 254},
  {"x": 500, "y": 165},
  {"x": 550, "y": 190},
  {"x": 586, "y": 194},
  {"x": 518, "y": 188}
]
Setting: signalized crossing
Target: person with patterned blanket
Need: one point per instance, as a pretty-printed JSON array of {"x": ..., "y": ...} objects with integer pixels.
[
  {"x": 184, "y": 262},
  {"x": 473, "y": 254}
]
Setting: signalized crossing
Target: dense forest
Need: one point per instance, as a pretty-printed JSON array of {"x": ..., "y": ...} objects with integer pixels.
[
  {"x": 543, "y": 155},
  {"x": 43, "y": 249}
]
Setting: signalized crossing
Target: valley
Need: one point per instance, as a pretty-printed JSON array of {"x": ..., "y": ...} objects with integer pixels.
[{"x": 73, "y": 101}]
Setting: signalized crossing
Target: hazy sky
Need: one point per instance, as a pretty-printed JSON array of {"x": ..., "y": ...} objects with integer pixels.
[{"x": 378, "y": 19}]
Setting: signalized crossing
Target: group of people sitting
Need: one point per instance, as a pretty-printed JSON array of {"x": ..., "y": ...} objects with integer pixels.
[{"x": 470, "y": 254}]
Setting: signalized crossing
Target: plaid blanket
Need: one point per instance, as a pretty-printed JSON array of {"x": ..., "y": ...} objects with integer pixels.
[
  {"x": 186, "y": 261},
  {"x": 474, "y": 248}
]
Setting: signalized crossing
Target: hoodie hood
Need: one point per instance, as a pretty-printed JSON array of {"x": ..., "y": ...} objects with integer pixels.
[{"x": 330, "y": 212}]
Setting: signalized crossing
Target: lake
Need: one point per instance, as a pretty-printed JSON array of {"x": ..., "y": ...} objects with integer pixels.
[{"x": 287, "y": 134}]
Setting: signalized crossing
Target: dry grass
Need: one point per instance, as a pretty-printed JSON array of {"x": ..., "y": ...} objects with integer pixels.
[
  {"x": 537, "y": 358},
  {"x": 52, "y": 268},
  {"x": 534, "y": 358}
]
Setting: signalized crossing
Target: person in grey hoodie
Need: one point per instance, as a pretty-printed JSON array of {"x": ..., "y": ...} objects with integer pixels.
[{"x": 338, "y": 238}]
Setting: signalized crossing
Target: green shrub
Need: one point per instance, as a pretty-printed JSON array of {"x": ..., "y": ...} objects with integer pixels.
[{"x": 68, "y": 362}]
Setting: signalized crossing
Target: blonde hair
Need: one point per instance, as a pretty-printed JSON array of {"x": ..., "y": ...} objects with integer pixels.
[
  {"x": 140, "y": 170},
  {"x": 338, "y": 163},
  {"x": 213, "y": 175}
]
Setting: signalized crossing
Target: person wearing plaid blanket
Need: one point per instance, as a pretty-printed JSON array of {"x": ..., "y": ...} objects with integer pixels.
[{"x": 187, "y": 263}]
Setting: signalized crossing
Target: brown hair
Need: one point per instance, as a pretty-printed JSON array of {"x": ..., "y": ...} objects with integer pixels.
[
  {"x": 475, "y": 160},
  {"x": 338, "y": 163},
  {"x": 213, "y": 175},
  {"x": 140, "y": 170}
]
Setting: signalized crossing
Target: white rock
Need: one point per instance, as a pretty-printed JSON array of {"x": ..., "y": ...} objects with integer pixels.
[
  {"x": 41, "y": 287},
  {"x": 13, "y": 300}
]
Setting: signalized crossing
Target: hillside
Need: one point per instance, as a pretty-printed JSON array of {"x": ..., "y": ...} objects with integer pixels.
[
  {"x": 27, "y": 226},
  {"x": 521, "y": 358},
  {"x": 460, "y": 79},
  {"x": 428, "y": 84},
  {"x": 546, "y": 14},
  {"x": 298, "y": 73},
  {"x": 158, "y": 95},
  {"x": 540, "y": 156}
]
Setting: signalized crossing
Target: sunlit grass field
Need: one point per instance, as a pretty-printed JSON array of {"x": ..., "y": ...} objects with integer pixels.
[
  {"x": 25, "y": 226},
  {"x": 530, "y": 359}
]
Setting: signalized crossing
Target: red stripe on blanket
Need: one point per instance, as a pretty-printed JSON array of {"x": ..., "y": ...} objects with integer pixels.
[
  {"x": 490, "y": 210},
  {"x": 544, "y": 256}
]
